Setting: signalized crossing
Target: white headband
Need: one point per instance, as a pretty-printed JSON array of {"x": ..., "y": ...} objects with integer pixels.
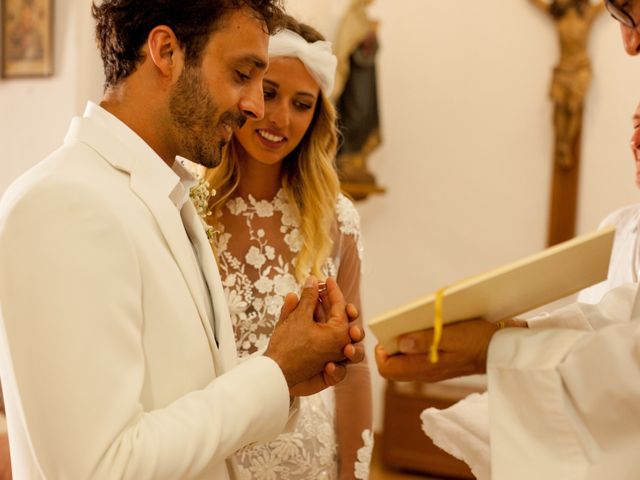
[{"x": 317, "y": 57}]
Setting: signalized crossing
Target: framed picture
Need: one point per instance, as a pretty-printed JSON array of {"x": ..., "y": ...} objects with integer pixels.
[{"x": 27, "y": 39}]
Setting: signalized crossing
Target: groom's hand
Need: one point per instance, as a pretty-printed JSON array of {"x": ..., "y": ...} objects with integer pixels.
[
  {"x": 312, "y": 355},
  {"x": 334, "y": 372}
]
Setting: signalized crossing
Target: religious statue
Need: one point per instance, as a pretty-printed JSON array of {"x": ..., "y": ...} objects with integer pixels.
[
  {"x": 356, "y": 97},
  {"x": 572, "y": 74}
]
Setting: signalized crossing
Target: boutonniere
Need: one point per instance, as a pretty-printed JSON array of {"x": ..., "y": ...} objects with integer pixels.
[{"x": 200, "y": 195}]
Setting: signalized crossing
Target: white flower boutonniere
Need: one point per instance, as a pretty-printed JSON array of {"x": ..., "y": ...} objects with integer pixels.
[{"x": 200, "y": 195}]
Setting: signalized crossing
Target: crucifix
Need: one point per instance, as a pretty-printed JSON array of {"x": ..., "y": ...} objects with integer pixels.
[{"x": 569, "y": 85}]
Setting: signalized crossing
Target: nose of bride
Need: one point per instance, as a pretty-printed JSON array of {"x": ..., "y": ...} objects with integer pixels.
[{"x": 279, "y": 117}]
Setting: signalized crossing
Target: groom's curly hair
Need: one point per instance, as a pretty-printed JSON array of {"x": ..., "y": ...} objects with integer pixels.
[{"x": 122, "y": 27}]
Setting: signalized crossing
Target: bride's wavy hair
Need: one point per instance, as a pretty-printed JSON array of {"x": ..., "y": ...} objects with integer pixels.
[{"x": 309, "y": 178}]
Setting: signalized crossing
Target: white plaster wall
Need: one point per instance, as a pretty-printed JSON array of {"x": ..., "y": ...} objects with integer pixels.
[
  {"x": 466, "y": 124},
  {"x": 321, "y": 14},
  {"x": 35, "y": 113}
]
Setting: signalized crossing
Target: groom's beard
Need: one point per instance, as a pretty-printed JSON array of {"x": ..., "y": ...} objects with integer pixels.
[{"x": 201, "y": 130}]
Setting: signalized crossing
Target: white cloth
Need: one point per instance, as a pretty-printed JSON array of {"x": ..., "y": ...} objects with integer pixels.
[
  {"x": 108, "y": 361},
  {"x": 624, "y": 266},
  {"x": 317, "y": 57},
  {"x": 463, "y": 431},
  {"x": 565, "y": 403},
  {"x": 548, "y": 404}
]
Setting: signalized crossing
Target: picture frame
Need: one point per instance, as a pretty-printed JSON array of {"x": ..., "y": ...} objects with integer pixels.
[{"x": 26, "y": 29}]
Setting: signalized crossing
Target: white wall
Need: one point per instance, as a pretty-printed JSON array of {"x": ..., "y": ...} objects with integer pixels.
[
  {"x": 35, "y": 113},
  {"x": 467, "y": 133}
]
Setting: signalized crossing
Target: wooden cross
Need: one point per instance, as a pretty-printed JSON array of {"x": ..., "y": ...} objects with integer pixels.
[{"x": 569, "y": 85}]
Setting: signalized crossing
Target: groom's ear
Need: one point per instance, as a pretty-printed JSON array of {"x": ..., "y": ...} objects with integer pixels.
[{"x": 165, "y": 52}]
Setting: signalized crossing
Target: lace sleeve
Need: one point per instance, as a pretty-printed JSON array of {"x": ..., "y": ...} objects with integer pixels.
[{"x": 353, "y": 395}]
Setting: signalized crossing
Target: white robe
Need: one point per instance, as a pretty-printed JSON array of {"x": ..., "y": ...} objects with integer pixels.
[
  {"x": 565, "y": 402},
  {"x": 564, "y": 397},
  {"x": 463, "y": 429},
  {"x": 624, "y": 266}
]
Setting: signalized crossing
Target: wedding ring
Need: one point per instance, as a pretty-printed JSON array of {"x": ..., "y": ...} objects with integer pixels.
[
  {"x": 322, "y": 288},
  {"x": 512, "y": 323}
]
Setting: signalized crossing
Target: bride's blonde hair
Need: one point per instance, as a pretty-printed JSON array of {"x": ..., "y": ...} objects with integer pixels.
[{"x": 309, "y": 178}]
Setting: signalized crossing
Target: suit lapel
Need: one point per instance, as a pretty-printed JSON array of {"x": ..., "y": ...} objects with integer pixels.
[
  {"x": 151, "y": 182},
  {"x": 173, "y": 231}
]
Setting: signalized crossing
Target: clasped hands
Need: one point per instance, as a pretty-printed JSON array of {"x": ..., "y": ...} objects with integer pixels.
[{"x": 315, "y": 338}]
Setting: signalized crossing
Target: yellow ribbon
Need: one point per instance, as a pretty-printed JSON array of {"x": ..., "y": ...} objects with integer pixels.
[{"x": 437, "y": 325}]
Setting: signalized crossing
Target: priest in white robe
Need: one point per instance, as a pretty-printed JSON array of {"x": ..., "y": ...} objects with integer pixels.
[{"x": 564, "y": 401}]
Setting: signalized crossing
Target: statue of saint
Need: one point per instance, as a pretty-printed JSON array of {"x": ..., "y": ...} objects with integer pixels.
[
  {"x": 356, "y": 97},
  {"x": 572, "y": 74}
]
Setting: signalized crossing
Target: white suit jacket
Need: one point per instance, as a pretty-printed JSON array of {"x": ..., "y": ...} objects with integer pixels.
[{"x": 110, "y": 367}]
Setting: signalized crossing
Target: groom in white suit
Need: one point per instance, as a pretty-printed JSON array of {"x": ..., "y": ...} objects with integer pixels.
[{"x": 117, "y": 353}]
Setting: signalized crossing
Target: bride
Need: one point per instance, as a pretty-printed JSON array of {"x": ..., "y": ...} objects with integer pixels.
[{"x": 278, "y": 199}]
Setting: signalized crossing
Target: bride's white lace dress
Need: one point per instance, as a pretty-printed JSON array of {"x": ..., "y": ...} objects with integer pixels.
[{"x": 257, "y": 242}]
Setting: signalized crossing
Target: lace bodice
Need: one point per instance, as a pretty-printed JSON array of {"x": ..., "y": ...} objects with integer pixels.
[
  {"x": 257, "y": 242},
  {"x": 257, "y": 265}
]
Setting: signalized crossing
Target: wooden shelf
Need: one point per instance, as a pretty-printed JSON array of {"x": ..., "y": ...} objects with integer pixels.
[{"x": 360, "y": 191}]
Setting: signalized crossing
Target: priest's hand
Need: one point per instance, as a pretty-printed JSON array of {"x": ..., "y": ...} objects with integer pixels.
[
  {"x": 313, "y": 355},
  {"x": 462, "y": 351}
]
